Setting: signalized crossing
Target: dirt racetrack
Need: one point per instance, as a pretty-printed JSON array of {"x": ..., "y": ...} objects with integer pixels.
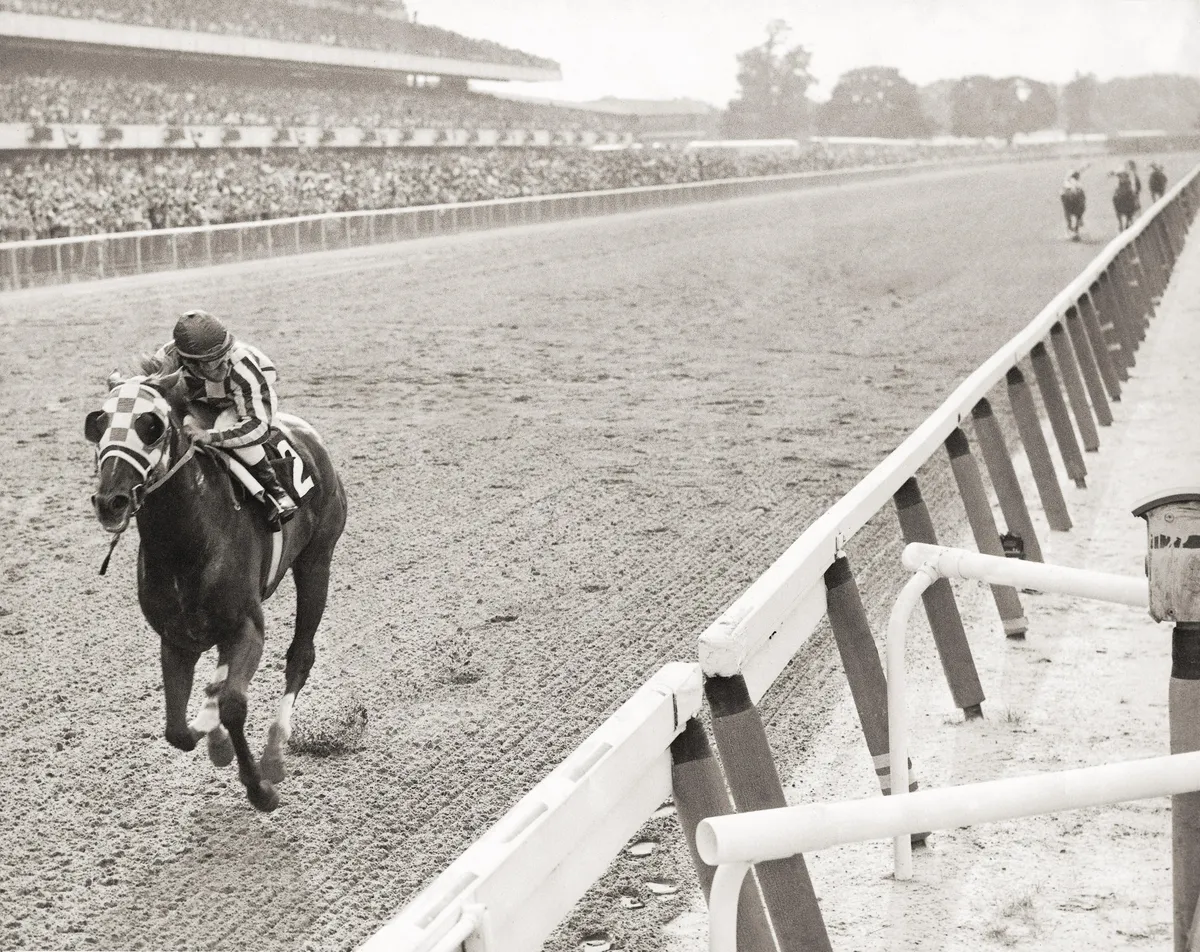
[{"x": 567, "y": 449}]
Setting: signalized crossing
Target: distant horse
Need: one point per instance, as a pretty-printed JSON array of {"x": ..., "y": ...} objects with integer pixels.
[
  {"x": 1125, "y": 201},
  {"x": 1157, "y": 181},
  {"x": 1074, "y": 203},
  {"x": 207, "y": 561}
]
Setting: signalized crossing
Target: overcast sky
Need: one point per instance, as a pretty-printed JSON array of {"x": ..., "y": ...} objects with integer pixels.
[{"x": 663, "y": 49}]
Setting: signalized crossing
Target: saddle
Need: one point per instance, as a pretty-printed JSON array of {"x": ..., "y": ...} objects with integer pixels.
[{"x": 290, "y": 469}]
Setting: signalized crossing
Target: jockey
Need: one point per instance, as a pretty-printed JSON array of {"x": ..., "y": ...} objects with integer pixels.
[
  {"x": 1072, "y": 182},
  {"x": 236, "y": 380}
]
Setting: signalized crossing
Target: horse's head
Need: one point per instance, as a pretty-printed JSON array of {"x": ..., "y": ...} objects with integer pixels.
[{"x": 131, "y": 432}]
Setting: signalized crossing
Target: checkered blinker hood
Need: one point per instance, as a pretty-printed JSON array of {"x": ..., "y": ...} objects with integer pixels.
[{"x": 132, "y": 425}]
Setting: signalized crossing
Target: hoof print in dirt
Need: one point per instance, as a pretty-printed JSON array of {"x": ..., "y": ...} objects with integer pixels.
[
  {"x": 662, "y": 887},
  {"x": 643, "y": 848},
  {"x": 632, "y": 902},
  {"x": 596, "y": 942}
]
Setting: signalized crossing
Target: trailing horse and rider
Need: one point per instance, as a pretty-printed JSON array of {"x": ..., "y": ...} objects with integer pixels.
[
  {"x": 1125, "y": 199},
  {"x": 1074, "y": 201},
  {"x": 207, "y": 561}
]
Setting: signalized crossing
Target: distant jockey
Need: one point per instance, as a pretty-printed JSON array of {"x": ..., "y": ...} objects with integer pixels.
[
  {"x": 1157, "y": 180},
  {"x": 1074, "y": 201},
  {"x": 237, "y": 381}
]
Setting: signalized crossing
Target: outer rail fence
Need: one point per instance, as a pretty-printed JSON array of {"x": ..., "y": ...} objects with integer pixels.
[
  {"x": 1094, "y": 327},
  {"x": 50, "y": 261}
]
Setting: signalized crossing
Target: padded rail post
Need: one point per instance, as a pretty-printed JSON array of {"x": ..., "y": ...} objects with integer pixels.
[
  {"x": 1183, "y": 711},
  {"x": 860, "y": 660},
  {"x": 1004, "y": 478},
  {"x": 1112, "y": 314},
  {"x": 1149, "y": 271},
  {"x": 1101, "y": 349},
  {"x": 1065, "y": 355},
  {"x": 699, "y": 794},
  {"x": 1030, "y": 429},
  {"x": 1129, "y": 297},
  {"x": 1056, "y": 410},
  {"x": 754, "y": 782},
  {"x": 1136, "y": 283},
  {"x": 983, "y": 528},
  {"x": 940, "y": 607},
  {"x": 1089, "y": 366}
]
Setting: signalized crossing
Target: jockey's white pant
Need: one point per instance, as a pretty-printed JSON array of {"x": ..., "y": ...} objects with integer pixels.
[{"x": 247, "y": 454}]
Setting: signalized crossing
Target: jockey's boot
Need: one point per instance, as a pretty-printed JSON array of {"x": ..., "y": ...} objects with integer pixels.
[{"x": 277, "y": 497}]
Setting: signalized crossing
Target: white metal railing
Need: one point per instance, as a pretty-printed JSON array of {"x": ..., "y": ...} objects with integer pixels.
[
  {"x": 44, "y": 261},
  {"x": 735, "y": 842}
]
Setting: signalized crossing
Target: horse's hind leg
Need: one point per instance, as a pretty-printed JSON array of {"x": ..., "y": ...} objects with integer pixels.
[
  {"x": 312, "y": 587},
  {"x": 243, "y": 656}
]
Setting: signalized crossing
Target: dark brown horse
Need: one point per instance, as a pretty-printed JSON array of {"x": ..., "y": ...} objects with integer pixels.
[
  {"x": 1125, "y": 200},
  {"x": 207, "y": 560}
]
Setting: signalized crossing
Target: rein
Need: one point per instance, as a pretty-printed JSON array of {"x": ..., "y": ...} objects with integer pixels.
[{"x": 140, "y": 498}]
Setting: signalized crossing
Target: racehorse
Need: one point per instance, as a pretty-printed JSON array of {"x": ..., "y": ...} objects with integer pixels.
[
  {"x": 207, "y": 560},
  {"x": 1125, "y": 201},
  {"x": 1074, "y": 203},
  {"x": 1157, "y": 181}
]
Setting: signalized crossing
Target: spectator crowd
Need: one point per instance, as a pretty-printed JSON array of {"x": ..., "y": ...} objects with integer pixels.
[
  {"x": 112, "y": 99},
  {"x": 79, "y": 193},
  {"x": 359, "y": 25}
]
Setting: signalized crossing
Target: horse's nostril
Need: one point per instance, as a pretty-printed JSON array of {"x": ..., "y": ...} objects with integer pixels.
[{"x": 119, "y": 502}]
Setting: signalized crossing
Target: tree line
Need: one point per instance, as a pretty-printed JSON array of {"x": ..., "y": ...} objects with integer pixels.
[{"x": 774, "y": 79}]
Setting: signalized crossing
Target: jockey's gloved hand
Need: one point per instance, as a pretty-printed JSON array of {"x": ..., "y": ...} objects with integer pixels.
[{"x": 197, "y": 434}]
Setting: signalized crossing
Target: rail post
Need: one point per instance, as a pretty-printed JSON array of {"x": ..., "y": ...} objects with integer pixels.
[
  {"x": 864, "y": 672},
  {"x": 1004, "y": 478},
  {"x": 1101, "y": 350},
  {"x": 1069, "y": 368},
  {"x": 700, "y": 793},
  {"x": 1030, "y": 429},
  {"x": 754, "y": 782},
  {"x": 1172, "y": 567},
  {"x": 1056, "y": 410},
  {"x": 1112, "y": 316},
  {"x": 983, "y": 528},
  {"x": 944, "y": 619}
]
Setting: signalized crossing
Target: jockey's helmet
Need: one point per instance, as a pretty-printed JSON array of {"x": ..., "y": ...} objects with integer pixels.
[{"x": 201, "y": 337}]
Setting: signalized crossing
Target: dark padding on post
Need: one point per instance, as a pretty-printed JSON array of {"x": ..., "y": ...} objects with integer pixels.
[
  {"x": 1004, "y": 479},
  {"x": 1088, "y": 366},
  {"x": 1100, "y": 345},
  {"x": 942, "y": 610},
  {"x": 754, "y": 782},
  {"x": 864, "y": 671},
  {"x": 1056, "y": 411},
  {"x": 983, "y": 528},
  {"x": 1064, "y": 353},
  {"x": 1030, "y": 429},
  {"x": 700, "y": 793}
]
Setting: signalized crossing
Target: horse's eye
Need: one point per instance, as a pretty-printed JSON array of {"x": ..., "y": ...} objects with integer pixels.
[
  {"x": 149, "y": 428},
  {"x": 95, "y": 425}
]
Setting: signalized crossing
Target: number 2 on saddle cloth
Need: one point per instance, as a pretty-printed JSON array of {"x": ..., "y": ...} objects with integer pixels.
[{"x": 290, "y": 469}]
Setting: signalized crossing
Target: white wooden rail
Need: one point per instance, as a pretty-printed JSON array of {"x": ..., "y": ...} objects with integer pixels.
[{"x": 513, "y": 886}]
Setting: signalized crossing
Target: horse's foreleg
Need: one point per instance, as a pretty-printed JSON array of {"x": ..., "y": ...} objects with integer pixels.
[
  {"x": 243, "y": 656},
  {"x": 312, "y": 588},
  {"x": 208, "y": 721},
  {"x": 178, "y": 669}
]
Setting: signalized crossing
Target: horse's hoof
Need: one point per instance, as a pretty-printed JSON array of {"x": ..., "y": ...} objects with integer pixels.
[
  {"x": 264, "y": 796},
  {"x": 271, "y": 765},
  {"x": 220, "y": 748}
]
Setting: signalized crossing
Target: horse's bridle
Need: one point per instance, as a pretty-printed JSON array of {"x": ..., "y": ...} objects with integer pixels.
[{"x": 141, "y": 490}]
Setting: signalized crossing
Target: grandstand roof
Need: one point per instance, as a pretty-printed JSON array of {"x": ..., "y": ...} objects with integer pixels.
[{"x": 48, "y": 32}]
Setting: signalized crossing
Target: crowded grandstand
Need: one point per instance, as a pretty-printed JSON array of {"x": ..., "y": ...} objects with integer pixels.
[{"x": 120, "y": 115}]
